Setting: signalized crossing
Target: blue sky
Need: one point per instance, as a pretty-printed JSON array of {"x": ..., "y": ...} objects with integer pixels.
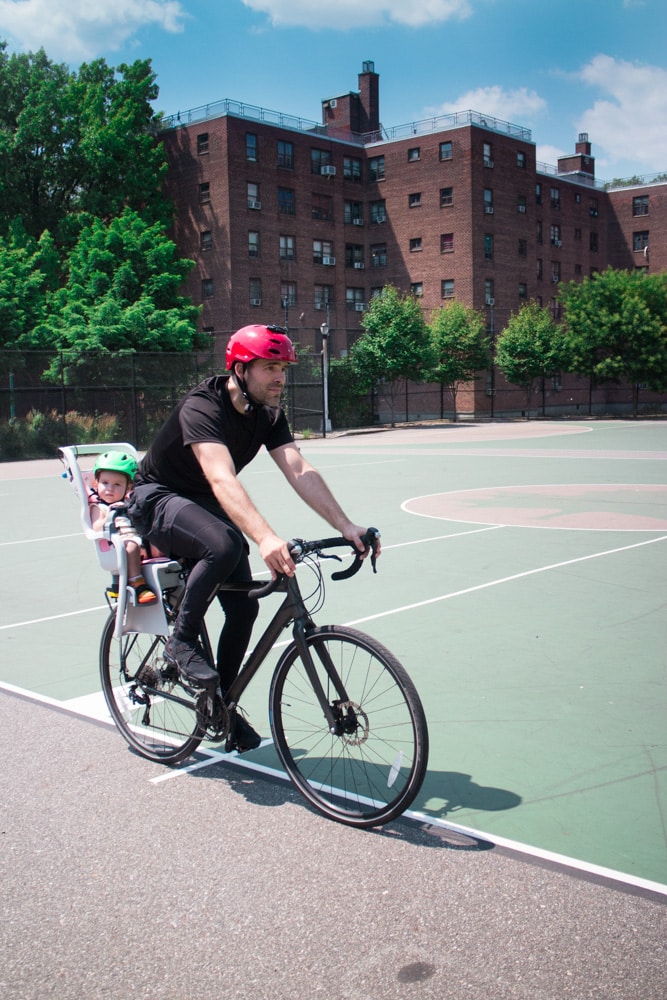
[{"x": 596, "y": 66}]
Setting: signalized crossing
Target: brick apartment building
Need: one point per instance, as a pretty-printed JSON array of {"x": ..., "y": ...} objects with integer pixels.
[{"x": 302, "y": 223}]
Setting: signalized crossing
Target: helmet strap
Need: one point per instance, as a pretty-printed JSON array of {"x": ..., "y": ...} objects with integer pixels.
[{"x": 250, "y": 403}]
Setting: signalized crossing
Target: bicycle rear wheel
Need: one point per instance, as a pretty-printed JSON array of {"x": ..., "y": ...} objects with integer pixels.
[
  {"x": 372, "y": 769},
  {"x": 153, "y": 712}
]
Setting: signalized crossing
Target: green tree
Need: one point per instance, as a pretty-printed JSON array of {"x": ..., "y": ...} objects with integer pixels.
[
  {"x": 616, "y": 328},
  {"x": 76, "y": 144},
  {"x": 530, "y": 347},
  {"x": 461, "y": 346},
  {"x": 395, "y": 344},
  {"x": 29, "y": 269},
  {"x": 122, "y": 293}
]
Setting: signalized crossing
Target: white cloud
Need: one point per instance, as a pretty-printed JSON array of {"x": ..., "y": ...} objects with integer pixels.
[
  {"x": 544, "y": 153},
  {"x": 631, "y": 119},
  {"x": 342, "y": 14},
  {"x": 520, "y": 106},
  {"x": 79, "y": 30}
]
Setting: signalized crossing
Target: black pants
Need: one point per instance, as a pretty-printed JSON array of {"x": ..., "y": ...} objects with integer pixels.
[{"x": 216, "y": 552}]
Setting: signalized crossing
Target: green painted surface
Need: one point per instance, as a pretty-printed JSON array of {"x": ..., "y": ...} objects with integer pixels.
[{"x": 541, "y": 661}]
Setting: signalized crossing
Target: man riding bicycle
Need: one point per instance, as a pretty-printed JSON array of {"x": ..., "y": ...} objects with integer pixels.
[{"x": 190, "y": 504}]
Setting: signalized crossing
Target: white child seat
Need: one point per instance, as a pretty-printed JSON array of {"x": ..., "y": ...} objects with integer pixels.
[{"x": 160, "y": 573}]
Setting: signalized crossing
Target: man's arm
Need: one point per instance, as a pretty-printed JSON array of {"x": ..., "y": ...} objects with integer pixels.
[
  {"x": 312, "y": 488},
  {"x": 218, "y": 467}
]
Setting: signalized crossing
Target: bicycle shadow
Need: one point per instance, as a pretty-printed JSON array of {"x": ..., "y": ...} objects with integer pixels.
[{"x": 443, "y": 793}]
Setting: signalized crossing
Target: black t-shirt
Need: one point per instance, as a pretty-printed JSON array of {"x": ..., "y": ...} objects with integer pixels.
[{"x": 207, "y": 413}]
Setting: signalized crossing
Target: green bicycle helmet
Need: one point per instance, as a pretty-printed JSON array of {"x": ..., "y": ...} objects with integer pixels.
[{"x": 116, "y": 461}]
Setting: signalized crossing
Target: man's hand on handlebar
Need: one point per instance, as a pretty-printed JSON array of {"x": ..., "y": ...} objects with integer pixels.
[
  {"x": 355, "y": 534},
  {"x": 276, "y": 554}
]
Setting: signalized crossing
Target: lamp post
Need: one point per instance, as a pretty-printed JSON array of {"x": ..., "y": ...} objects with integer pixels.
[{"x": 326, "y": 423}]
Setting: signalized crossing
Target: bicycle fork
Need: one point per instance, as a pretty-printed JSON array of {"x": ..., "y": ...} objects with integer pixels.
[{"x": 339, "y": 713}]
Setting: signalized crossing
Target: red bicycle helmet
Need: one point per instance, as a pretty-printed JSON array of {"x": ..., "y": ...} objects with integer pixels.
[{"x": 251, "y": 342}]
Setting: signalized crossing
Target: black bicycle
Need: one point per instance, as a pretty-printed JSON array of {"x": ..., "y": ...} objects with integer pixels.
[{"x": 345, "y": 717}]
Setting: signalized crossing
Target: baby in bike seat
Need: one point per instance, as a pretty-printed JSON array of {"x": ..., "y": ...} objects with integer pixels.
[{"x": 113, "y": 476}]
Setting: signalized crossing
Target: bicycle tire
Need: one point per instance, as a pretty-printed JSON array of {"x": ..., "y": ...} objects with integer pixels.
[
  {"x": 371, "y": 774},
  {"x": 153, "y": 713}
]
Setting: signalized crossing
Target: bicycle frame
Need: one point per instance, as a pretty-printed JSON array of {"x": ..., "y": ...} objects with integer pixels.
[{"x": 294, "y": 610}]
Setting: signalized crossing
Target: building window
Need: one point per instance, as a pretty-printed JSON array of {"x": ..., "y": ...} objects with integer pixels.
[
  {"x": 379, "y": 255},
  {"x": 319, "y": 158},
  {"x": 488, "y": 154},
  {"x": 353, "y": 213},
  {"x": 255, "y": 291},
  {"x": 414, "y": 200},
  {"x": 352, "y": 169},
  {"x": 446, "y": 151},
  {"x": 577, "y": 269},
  {"x": 640, "y": 240},
  {"x": 413, "y": 154},
  {"x": 577, "y": 233},
  {"x": 285, "y": 154},
  {"x": 206, "y": 240},
  {"x": 577, "y": 197},
  {"x": 521, "y": 160},
  {"x": 321, "y": 206},
  {"x": 204, "y": 193},
  {"x": 488, "y": 201},
  {"x": 523, "y": 248},
  {"x": 489, "y": 299},
  {"x": 539, "y": 269},
  {"x": 523, "y": 290},
  {"x": 207, "y": 288},
  {"x": 378, "y": 211},
  {"x": 447, "y": 288},
  {"x": 323, "y": 296},
  {"x": 288, "y": 294},
  {"x": 521, "y": 204},
  {"x": 640, "y": 205},
  {"x": 253, "y": 244},
  {"x": 287, "y": 248},
  {"x": 354, "y": 256},
  {"x": 417, "y": 289},
  {"x": 286, "y": 201},
  {"x": 538, "y": 194},
  {"x": 538, "y": 232},
  {"x": 202, "y": 143},
  {"x": 415, "y": 244},
  {"x": 252, "y": 194},
  {"x": 593, "y": 245},
  {"x": 323, "y": 252},
  {"x": 251, "y": 147},
  {"x": 446, "y": 197},
  {"x": 555, "y": 309},
  {"x": 447, "y": 243},
  {"x": 488, "y": 246},
  {"x": 376, "y": 168},
  {"x": 554, "y": 194},
  {"x": 355, "y": 300},
  {"x": 555, "y": 236},
  {"x": 555, "y": 272},
  {"x": 593, "y": 209}
]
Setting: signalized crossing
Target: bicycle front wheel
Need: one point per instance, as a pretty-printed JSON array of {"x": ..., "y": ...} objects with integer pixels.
[
  {"x": 369, "y": 770},
  {"x": 153, "y": 712}
]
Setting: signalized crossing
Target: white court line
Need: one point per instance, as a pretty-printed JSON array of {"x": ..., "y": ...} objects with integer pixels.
[
  {"x": 505, "y": 579},
  {"x": 215, "y": 756},
  {"x": 48, "y": 538},
  {"x": 53, "y": 618}
]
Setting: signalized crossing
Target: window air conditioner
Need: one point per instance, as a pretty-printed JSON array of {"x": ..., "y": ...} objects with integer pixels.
[
  {"x": 359, "y": 306},
  {"x": 329, "y": 261},
  {"x": 255, "y": 302},
  {"x": 357, "y": 222},
  {"x": 488, "y": 209},
  {"x": 359, "y": 265},
  {"x": 328, "y": 171},
  {"x": 254, "y": 204}
]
